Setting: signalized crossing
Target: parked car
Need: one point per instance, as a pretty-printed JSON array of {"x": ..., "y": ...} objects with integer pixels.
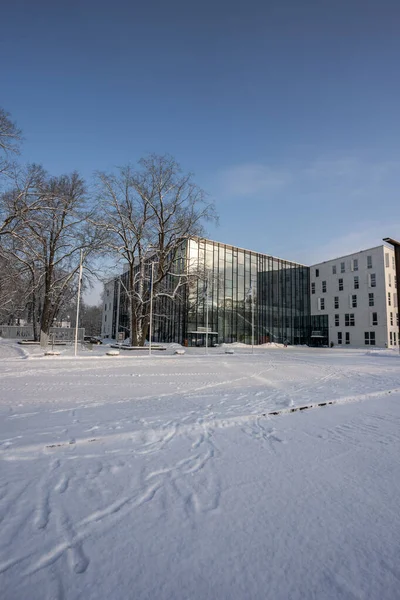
[{"x": 92, "y": 339}]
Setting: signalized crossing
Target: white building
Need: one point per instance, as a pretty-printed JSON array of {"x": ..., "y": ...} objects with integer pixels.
[{"x": 358, "y": 294}]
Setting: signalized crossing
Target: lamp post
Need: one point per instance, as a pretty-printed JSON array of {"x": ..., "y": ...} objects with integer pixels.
[{"x": 396, "y": 245}]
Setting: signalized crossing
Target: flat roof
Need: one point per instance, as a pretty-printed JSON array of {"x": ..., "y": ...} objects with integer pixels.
[
  {"x": 351, "y": 254},
  {"x": 204, "y": 239}
]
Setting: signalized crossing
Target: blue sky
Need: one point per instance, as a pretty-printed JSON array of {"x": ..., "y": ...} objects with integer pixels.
[{"x": 287, "y": 111}]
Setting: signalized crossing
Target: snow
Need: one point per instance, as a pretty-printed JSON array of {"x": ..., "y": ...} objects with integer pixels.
[{"x": 159, "y": 477}]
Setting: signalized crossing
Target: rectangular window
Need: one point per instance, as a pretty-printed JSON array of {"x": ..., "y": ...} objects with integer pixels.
[
  {"x": 387, "y": 259},
  {"x": 394, "y": 338},
  {"x": 105, "y": 307},
  {"x": 371, "y": 299},
  {"x": 336, "y": 320},
  {"x": 324, "y": 287},
  {"x": 313, "y": 288},
  {"x": 395, "y": 300},
  {"x": 334, "y": 270},
  {"x": 369, "y": 262},
  {"x": 355, "y": 264},
  {"x": 391, "y": 318},
  {"x": 390, "y": 280},
  {"x": 321, "y": 303},
  {"x": 374, "y": 318},
  {"x": 336, "y": 301},
  {"x": 339, "y": 337},
  {"x": 369, "y": 337},
  {"x": 391, "y": 338},
  {"x": 349, "y": 320},
  {"x": 342, "y": 267},
  {"x": 340, "y": 285},
  {"x": 372, "y": 280},
  {"x": 316, "y": 272},
  {"x": 347, "y": 337},
  {"x": 389, "y": 299},
  {"x": 393, "y": 264},
  {"x": 354, "y": 301},
  {"x": 397, "y": 319},
  {"x": 356, "y": 282}
]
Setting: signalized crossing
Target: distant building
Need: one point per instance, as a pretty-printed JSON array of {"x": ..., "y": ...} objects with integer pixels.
[{"x": 358, "y": 294}]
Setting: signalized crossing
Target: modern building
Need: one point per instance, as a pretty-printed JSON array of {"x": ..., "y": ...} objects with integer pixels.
[
  {"x": 235, "y": 289},
  {"x": 358, "y": 295},
  {"x": 349, "y": 301}
]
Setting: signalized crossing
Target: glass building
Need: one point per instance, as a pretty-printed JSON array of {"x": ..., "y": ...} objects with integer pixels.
[
  {"x": 241, "y": 287},
  {"x": 228, "y": 290}
]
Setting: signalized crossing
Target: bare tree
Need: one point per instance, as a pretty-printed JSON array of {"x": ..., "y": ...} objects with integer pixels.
[
  {"x": 10, "y": 138},
  {"x": 52, "y": 230},
  {"x": 147, "y": 213}
]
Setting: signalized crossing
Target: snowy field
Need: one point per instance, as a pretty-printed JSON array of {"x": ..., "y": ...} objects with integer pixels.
[{"x": 137, "y": 477}]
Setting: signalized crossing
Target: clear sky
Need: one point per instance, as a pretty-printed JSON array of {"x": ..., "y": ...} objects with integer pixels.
[{"x": 287, "y": 111}]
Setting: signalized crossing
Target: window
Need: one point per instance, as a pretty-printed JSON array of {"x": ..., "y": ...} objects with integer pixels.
[
  {"x": 355, "y": 264},
  {"x": 354, "y": 301},
  {"x": 342, "y": 267},
  {"x": 334, "y": 270},
  {"x": 393, "y": 264},
  {"x": 394, "y": 338},
  {"x": 391, "y": 338},
  {"x": 389, "y": 299},
  {"x": 369, "y": 338},
  {"x": 313, "y": 288},
  {"x": 105, "y": 318},
  {"x": 372, "y": 280},
  {"x": 387, "y": 259},
  {"x": 391, "y": 318},
  {"x": 316, "y": 272},
  {"x": 395, "y": 300},
  {"x": 321, "y": 303},
  {"x": 397, "y": 319},
  {"x": 340, "y": 285},
  {"x": 390, "y": 280},
  {"x": 371, "y": 299},
  {"x": 369, "y": 262},
  {"x": 347, "y": 337},
  {"x": 356, "y": 282},
  {"x": 349, "y": 320},
  {"x": 105, "y": 307},
  {"x": 336, "y": 301},
  {"x": 374, "y": 318},
  {"x": 109, "y": 306},
  {"x": 339, "y": 337},
  {"x": 336, "y": 320},
  {"x": 324, "y": 287}
]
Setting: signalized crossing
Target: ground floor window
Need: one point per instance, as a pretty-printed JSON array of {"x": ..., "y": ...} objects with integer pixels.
[
  {"x": 370, "y": 338},
  {"x": 347, "y": 337},
  {"x": 339, "y": 337}
]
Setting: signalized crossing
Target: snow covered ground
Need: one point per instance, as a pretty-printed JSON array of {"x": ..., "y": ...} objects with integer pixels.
[{"x": 159, "y": 477}]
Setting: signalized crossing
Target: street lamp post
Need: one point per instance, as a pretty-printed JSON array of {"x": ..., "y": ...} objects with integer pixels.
[{"x": 396, "y": 245}]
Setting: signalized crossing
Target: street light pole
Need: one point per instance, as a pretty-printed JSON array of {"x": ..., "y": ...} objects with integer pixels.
[
  {"x": 252, "y": 320},
  {"x": 396, "y": 245},
  {"x": 207, "y": 313},
  {"x": 77, "y": 306},
  {"x": 151, "y": 308}
]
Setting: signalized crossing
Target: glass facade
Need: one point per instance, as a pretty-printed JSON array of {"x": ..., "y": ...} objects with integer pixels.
[
  {"x": 242, "y": 287},
  {"x": 239, "y": 287}
]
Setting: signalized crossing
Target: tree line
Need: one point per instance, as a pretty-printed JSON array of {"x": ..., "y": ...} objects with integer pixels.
[{"x": 135, "y": 217}]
